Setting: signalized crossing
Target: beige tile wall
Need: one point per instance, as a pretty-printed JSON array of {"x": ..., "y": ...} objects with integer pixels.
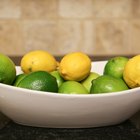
[{"x": 106, "y": 27}]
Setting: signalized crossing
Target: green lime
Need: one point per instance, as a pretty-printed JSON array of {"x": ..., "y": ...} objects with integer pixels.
[
  {"x": 115, "y": 66},
  {"x": 87, "y": 82},
  {"x": 72, "y": 87},
  {"x": 39, "y": 80},
  {"x": 107, "y": 83},
  {"x": 7, "y": 70},
  {"x": 19, "y": 78},
  {"x": 58, "y": 77}
]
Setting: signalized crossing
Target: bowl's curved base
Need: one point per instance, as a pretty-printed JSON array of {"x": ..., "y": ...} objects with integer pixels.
[{"x": 69, "y": 126}]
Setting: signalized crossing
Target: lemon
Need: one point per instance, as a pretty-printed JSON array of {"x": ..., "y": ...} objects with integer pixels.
[
  {"x": 39, "y": 80},
  {"x": 115, "y": 66},
  {"x": 107, "y": 84},
  {"x": 72, "y": 87},
  {"x": 57, "y": 62},
  {"x": 7, "y": 70},
  {"x": 131, "y": 72},
  {"x": 75, "y": 66},
  {"x": 38, "y": 60}
]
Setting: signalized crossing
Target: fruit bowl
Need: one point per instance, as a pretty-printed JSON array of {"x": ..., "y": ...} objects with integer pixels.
[{"x": 45, "y": 109}]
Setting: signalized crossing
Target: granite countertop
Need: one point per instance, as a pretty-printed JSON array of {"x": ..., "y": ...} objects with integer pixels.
[
  {"x": 128, "y": 130},
  {"x": 123, "y": 131}
]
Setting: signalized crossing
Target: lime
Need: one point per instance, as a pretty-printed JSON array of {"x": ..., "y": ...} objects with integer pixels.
[
  {"x": 19, "y": 78},
  {"x": 107, "y": 83},
  {"x": 115, "y": 66},
  {"x": 72, "y": 87},
  {"x": 7, "y": 70},
  {"x": 58, "y": 77},
  {"x": 39, "y": 80},
  {"x": 87, "y": 82}
]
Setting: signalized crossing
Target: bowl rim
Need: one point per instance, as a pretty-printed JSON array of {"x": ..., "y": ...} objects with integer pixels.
[{"x": 54, "y": 94}]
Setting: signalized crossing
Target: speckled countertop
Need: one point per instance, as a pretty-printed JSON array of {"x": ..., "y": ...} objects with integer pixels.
[
  {"x": 123, "y": 131},
  {"x": 128, "y": 130}
]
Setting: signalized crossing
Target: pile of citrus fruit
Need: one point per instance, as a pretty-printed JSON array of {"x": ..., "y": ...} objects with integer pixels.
[{"x": 72, "y": 75}]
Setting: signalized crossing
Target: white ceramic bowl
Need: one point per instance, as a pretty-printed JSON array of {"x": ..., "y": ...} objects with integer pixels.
[{"x": 44, "y": 109}]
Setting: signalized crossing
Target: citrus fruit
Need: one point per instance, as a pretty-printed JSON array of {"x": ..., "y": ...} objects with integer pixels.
[
  {"x": 75, "y": 66},
  {"x": 38, "y": 60},
  {"x": 39, "y": 80},
  {"x": 7, "y": 70},
  {"x": 115, "y": 66},
  {"x": 107, "y": 83},
  {"x": 72, "y": 87},
  {"x": 57, "y": 62},
  {"x": 19, "y": 78},
  {"x": 87, "y": 82},
  {"x": 58, "y": 77},
  {"x": 131, "y": 72}
]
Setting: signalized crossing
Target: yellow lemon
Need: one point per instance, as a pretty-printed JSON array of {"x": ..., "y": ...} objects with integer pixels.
[
  {"x": 38, "y": 60},
  {"x": 57, "y": 65},
  {"x": 75, "y": 66},
  {"x": 131, "y": 72}
]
